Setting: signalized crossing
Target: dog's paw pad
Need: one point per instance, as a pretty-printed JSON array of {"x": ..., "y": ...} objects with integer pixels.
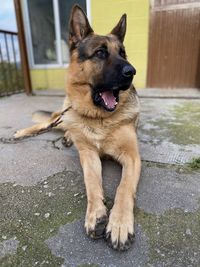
[
  {"x": 67, "y": 142},
  {"x": 99, "y": 230}
]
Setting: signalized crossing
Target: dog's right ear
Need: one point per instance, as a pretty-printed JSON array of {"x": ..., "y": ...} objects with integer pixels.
[
  {"x": 120, "y": 29},
  {"x": 79, "y": 26}
]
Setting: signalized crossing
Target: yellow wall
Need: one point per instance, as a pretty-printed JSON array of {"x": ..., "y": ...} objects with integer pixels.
[
  {"x": 106, "y": 13},
  {"x": 48, "y": 78}
]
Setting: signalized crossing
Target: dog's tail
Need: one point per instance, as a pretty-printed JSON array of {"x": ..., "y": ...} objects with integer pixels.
[{"x": 41, "y": 116}]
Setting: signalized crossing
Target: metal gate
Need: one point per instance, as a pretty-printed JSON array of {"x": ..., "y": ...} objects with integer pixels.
[
  {"x": 14, "y": 67},
  {"x": 11, "y": 77},
  {"x": 174, "y": 44}
]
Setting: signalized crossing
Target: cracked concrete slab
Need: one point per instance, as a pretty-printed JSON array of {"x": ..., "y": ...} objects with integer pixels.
[
  {"x": 167, "y": 187},
  {"x": 30, "y": 161},
  {"x": 169, "y": 130},
  {"x": 77, "y": 249},
  {"x": 43, "y": 198}
]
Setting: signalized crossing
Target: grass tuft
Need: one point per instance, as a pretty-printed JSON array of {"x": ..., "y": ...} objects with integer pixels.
[{"x": 195, "y": 163}]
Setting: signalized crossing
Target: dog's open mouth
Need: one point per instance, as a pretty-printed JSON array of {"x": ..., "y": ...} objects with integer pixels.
[{"x": 107, "y": 99}]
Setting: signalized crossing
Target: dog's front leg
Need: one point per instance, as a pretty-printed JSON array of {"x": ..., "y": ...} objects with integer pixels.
[
  {"x": 120, "y": 229},
  {"x": 96, "y": 215}
]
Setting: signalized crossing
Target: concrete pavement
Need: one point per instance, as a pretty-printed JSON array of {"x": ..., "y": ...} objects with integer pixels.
[{"x": 43, "y": 199}]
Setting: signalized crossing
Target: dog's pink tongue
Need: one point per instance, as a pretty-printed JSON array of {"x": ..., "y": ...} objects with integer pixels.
[{"x": 108, "y": 99}]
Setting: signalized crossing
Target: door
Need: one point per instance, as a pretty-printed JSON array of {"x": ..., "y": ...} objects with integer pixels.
[{"x": 174, "y": 44}]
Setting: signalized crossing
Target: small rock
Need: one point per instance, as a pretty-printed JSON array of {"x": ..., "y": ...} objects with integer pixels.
[
  {"x": 50, "y": 194},
  {"x": 4, "y": 237},
  {"x": 24, "y": 248},
  {"x": 46, "y": 215},
  {"x": 188, "y": 231},
  {"x": 75, "y": 195},
  {"x": 157, "y": 250},
  {"x": 45, "y": 182},
  {"x": 69, "y": 212},
  {"x": 37, "y": 214},
  {"x": 46, "y": 186}
]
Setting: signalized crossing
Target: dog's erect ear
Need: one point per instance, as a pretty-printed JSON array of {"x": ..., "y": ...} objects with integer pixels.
[
  {"x": 120, "y": 29},
  {"x": 79, "y": 26}
]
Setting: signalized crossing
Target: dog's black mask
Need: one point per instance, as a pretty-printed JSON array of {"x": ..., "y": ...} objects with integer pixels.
[{"x": 118, "y": 77}]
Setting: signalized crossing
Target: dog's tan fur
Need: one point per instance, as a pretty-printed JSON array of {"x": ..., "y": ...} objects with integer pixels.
[{"x": 96, "y": 132}]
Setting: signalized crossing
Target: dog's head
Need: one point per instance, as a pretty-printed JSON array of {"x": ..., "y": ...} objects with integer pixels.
[{"x": 99, "y": 69}]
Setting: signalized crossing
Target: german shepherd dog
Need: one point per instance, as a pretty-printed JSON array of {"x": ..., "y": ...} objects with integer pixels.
[{"x": 102, "y": 117}]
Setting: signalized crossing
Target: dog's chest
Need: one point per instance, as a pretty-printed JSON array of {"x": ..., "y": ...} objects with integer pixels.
[{"x": 96, "y": 135}]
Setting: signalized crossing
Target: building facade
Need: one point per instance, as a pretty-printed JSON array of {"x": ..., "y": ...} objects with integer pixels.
[
  {"x": 162, "y": 40},
  {"x": 46, "y": 21}
]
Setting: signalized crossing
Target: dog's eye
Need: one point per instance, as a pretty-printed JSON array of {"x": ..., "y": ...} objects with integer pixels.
[
  {"x": 122, "y": 53},
  {"x": 101, "y": 53}
]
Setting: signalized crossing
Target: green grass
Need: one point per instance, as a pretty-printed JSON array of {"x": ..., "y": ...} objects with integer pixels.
[
  {"x": 194, "y": 164},
  {"x": 11, "y": 79}
]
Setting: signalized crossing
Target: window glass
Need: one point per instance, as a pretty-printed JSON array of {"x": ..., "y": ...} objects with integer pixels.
[
  {"x": 42, "y": 24},
  {"x": 64, "y": 10}
]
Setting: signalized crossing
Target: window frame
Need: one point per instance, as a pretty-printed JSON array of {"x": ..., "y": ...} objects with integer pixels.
[{"x": 27, "y": 28}]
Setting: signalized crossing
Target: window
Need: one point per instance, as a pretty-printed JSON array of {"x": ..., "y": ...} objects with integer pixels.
[
  {"x": 64, "y": 12},
  {"x": 42, "y": 24},
  {"x": 47, "y": 28}
]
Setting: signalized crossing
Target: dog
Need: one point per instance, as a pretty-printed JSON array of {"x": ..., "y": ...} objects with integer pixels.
[{"x": 101, "y": 119}]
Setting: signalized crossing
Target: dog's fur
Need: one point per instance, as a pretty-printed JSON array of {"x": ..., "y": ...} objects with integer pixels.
[{"x": 98, "y": 128}]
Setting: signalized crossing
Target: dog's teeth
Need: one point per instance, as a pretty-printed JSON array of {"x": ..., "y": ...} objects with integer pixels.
[
  {"x": 100, "y": 94},
  {"x": 106, "y": 103}
]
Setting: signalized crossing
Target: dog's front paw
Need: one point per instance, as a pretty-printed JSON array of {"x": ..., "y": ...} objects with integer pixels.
[
  {"x": 120, "y": 229},
  {"x": 96, "y": 220}
]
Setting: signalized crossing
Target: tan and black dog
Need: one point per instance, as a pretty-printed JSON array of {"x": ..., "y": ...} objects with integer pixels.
[{"x": 102, "y": 119}]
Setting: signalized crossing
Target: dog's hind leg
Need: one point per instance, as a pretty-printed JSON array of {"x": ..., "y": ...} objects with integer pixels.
[
  {"x": 45, "y": 120},
  {"x": 67, "y": 141},
  {"x": 33, "y": 130},
  {"x": 96, "y": 215}
]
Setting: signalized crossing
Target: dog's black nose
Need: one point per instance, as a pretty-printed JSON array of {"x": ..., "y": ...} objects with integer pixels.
[{"x": 128, "y": 71}]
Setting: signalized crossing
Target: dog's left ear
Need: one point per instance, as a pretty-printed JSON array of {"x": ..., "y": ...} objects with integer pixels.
[
  {"x": 79, "y": 26},
  {"x": 120, "y": 29}
]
